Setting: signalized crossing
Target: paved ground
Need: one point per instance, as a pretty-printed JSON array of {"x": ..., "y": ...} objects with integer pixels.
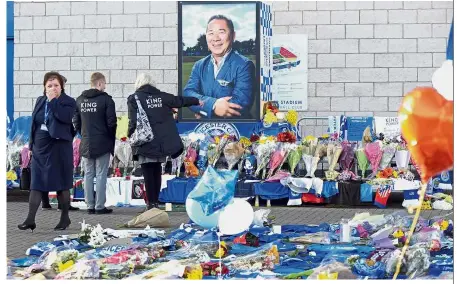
[{"x": 18, "y": 241}]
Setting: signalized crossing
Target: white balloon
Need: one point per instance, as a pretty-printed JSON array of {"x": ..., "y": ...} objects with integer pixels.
[
  {"x": 236, "y": 217},
  {"x": 196, "y": 214},
  {"x": 442, "y": 80}
]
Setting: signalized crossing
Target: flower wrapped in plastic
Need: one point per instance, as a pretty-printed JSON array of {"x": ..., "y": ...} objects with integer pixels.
[
  {"x": 59, "y": 258},
  {"x": 221, "y": 142},
  {"x": 83, "y": 269},
  {"x": 362, "y": 160},
  {"x": 212, "y": 154},
  {"x": 123, "y": 152},
  {"x": 213, "y": 269},
  {"x": 346, "y": 161},
  {"x": 76, "y": 155},
  {"x": 263, "y": 153},
  {"x": 278, "y": 157},
  {"x": 265, "y": 258},
  {"x": 136, "y": 255},
  {"x": 202, "y": 159},
  {"x": 177, "y": 163},
  {"x": 233, "y": 152},
  {"x": 310, "y": 164},
  {"x": 333, "y": 153},
  {"x": 374, "y": 154},
  {"x": 294, "y": 157},
  {"x": 388, "y": 152}
]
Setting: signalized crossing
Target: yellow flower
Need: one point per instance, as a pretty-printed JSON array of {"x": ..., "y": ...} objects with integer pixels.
[
  {"x": 325, "y": 136},
  {"x": 65, "y": 266},
  {"x": 292, "y": 117},
  {"x": 11, "y": 175},
  {"x": 245, "y": 142},
  {"x": 217, "y": 139},
  {"x": 195, "y": 273},
  {"x": 221, "y": 251},
  {"x": 395, "y": 174},
  {"x": 310, "y": 138},
  {"x": 270, "y": 117},
  {"x": 444, "y": 225}
]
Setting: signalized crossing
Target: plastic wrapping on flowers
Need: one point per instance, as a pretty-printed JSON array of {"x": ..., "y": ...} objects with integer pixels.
[{"x": 298, "y": 252}]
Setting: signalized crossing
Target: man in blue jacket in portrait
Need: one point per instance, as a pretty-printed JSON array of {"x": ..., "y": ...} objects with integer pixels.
[{"x": 223, "y": 80}]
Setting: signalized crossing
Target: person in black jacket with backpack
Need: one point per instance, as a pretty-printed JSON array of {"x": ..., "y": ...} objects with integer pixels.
[
  {"x": 95, "y": 119},
  {"x": 158, "y": 106}
]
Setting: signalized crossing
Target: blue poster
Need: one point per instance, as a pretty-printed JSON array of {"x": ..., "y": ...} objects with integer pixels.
[{"x": 356, "y": 125}]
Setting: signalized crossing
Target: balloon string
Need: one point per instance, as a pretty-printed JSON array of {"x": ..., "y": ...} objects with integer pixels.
[{"x": 411, "y": 229}]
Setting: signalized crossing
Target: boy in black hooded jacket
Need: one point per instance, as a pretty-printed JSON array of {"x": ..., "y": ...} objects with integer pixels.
[{"x": 95, "y": 119}]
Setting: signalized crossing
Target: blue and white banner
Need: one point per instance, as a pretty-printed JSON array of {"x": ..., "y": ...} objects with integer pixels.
[{"x": 266, "y": 54}]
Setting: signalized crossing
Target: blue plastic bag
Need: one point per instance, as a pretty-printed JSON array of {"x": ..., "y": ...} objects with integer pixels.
[
  {"x": 25, "y": 261},
  {"x": 215, "y": 190}
]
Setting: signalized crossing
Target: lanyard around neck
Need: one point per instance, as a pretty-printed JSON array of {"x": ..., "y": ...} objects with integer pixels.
[{"x": 46, "y": 112}]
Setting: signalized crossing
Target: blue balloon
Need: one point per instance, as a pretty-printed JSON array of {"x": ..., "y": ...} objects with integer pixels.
[{"x": 196, "y": 214}]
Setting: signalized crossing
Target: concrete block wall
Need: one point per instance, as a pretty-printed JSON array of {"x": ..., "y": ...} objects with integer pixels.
[{"x": 363, "y": 56}]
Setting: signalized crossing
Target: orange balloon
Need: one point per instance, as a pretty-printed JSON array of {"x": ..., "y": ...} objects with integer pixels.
[{"x": 426, "y": 121}]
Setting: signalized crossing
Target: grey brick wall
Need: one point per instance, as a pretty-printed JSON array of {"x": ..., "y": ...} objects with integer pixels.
[{"x": 363, "y": 56}]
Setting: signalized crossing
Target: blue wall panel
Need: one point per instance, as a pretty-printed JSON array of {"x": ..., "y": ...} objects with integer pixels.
[{"x": 10, "y": 62}]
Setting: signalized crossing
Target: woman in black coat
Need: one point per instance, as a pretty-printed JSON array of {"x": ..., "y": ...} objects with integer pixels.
[
  {"x": 50, "y": 143},
  {"x": 167, "y": 142}
]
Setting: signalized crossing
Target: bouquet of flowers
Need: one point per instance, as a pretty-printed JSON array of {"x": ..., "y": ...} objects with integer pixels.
[
  {"x": 203, "y": 155},
  {"x": 246, "y": 143},
  {"x": 279, "y": 155},
  {"x": 264, "y": 259},
  {"x": 92, "y": 235},
  {"x": 347, "y": 155},
  {"x": 233, "y": 152},
  {"x": 294, "y": 157},
  {"x": 135, "y": 256},
  {"x": 402, "y": 156},
  {"x": 362, "y": 160},
  {"x": 213, "y": 269},
  {"x": 309, "y": 146},
  {"x": 388, "y": 152},
  {"x": 387, "y": 173},
  {"x": 374, "y": 154},
  {"x": 177, "y": 163},
  {"x": 263, "y": 153},
  {"x": 212, "y": 153},
  {"x": 333, "y": 153},
  {"x": 221, "y": 142}
]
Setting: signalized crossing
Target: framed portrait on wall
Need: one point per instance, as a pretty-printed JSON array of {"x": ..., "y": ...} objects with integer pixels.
[{"x": 218, "y": 60}]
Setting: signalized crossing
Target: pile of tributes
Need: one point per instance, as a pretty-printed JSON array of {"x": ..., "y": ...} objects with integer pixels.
[{"x": 365, "y": 247}]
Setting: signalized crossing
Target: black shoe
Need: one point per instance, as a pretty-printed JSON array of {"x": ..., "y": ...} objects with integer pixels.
[
  {"x": 104, "y": 211},
  {"x": 91, "y": 211},
  {"x": 62, "y": 226},
  {"x": 25, "y": 226},
  {"x": 46, "y": 207}
]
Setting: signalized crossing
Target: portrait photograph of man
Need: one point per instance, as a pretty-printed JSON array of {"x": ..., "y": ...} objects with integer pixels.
[{"x": 218, "y": 62}]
